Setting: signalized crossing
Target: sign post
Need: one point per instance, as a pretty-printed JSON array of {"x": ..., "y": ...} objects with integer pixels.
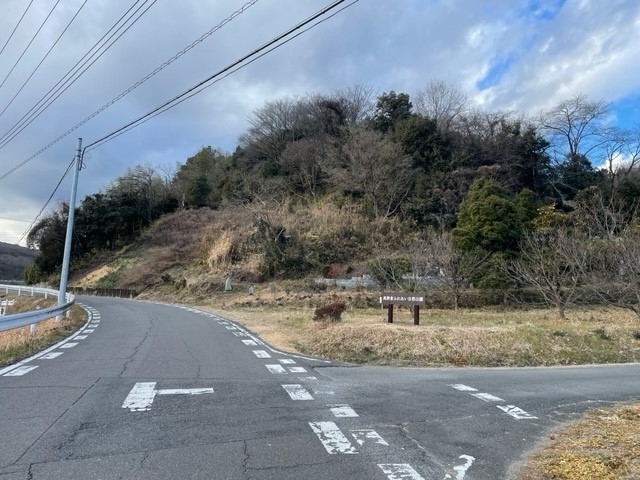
[{"x": 413, "y": 300}]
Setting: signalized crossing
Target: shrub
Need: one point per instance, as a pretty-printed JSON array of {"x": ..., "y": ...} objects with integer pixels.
[{"x": 332, "y": 311}]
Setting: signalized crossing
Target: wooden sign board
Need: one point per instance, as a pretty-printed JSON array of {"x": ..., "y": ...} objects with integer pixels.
[{"x": 402, "y": 298}]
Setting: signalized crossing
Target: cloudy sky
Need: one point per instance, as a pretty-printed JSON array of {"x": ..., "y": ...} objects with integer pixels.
[{"x": 524, "y": 55}]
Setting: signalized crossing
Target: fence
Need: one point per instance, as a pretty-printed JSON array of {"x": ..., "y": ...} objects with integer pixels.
[
  {"x": 104, "y": 292},
  {"x": 16, "y": 320}
]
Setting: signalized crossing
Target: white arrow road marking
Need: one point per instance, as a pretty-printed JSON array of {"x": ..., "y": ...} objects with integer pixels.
[
  {"x": 516, "y": 412},
  {"x": 52, "y": 355},
  {"x": 297, "y": 392},
  {"x": 463, "y": 388},
  {"x": 342, "y": 410},
  {"x": 487, "y": 397},
  {"x": 261, "y": 354},
  {"x": 276, "y": 369},
  {"x": 249, "y": 343},
  {"x": 333, "y": 440},
  {"x": 287, "y": 361},
  {"x": 140, "y": 397},
  {"x": 399, "y": 471},
  {"x": 362, "y": 436},
  {"x": 69, "y": 345},
  {"x": 18, "y": 372},
  {"x": 297, "y": 370},
  {"x": 143, "y": 394}
]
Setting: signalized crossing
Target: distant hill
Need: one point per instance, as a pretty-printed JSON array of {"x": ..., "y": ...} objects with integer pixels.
[{"x": 13, "y": 260}]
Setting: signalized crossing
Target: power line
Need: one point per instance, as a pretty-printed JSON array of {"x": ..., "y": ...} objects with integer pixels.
[
  {"x": 130, "y": 89},
  {"x": 14, "y": 219},
  {"x": 29, "y": 44},
  {"x": 26, "y": 232},
  {"x": 226, "y": 71},
  {"x": 43, "y": 58},
  {"x": 75, "y": 72},
  {"x": 16, "y": 27}
]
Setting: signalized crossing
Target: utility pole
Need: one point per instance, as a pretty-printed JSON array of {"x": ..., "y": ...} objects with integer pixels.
[{"x": 64, "y": 275}]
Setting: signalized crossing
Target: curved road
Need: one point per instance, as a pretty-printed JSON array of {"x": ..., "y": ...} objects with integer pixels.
[{"x": 151, "y": 391}]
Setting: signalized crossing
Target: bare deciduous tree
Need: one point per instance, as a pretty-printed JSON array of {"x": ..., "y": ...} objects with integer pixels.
[
  {"x": 378, "y": 168},
  {"x": 553, "y": 264},
  {"x": 442, "y": 102}
]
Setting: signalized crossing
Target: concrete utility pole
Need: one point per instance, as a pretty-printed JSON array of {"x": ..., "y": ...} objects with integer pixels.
[{"x": 64, "y": 275}]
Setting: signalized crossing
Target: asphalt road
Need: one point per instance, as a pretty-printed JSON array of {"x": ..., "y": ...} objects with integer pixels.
[{"x": 149, "y": 391}]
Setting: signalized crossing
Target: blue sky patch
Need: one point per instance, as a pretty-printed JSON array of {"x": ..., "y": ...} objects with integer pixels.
[{"x": 499, "y": 66}]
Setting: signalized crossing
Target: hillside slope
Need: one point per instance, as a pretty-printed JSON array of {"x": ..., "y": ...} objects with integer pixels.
[{"x": 13, "y": 260}]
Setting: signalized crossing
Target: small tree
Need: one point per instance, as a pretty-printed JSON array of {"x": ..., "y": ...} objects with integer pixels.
[{"x": 553, "y": 264}]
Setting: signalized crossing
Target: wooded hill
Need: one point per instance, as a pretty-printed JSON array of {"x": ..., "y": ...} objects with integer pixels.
[
  {"x": 13, "y": 261},
  {"x": 349, "y": 182}
]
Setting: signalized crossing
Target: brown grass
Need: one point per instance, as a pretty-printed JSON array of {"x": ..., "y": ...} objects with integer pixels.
[
  {"x": 603, "y": 445},
  {"x": 18, "y": 343}
]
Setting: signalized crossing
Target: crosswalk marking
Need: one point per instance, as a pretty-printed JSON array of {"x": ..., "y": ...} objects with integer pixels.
[{"x": 333, "y": 440}]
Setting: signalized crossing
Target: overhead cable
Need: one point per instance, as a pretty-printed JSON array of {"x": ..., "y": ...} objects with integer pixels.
[
  {"x": 81, "y": 66},
  {"x": 16, "y": 27},
  {"x": 29, "y": 44},
  {"x": 43, "y": 58},
  {"x": 133, "y": 87},
  {"x": 261, "y": 51},
  {"x": 26, "y": 232}
]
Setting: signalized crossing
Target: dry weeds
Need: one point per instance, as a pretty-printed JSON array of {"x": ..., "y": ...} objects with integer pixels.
[{"x": 603, "y": 445}]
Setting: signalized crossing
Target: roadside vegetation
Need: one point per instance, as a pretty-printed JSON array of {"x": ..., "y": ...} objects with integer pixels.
[
  {"x": 603, "y": 445},
  {"x": 19, "y": 343}
]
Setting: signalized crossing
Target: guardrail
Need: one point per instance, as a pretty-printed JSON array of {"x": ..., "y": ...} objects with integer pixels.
[{"x": 16, "y": 320}]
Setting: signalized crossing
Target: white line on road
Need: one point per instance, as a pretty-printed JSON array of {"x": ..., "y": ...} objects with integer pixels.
[
  {"x": 287, "y": 361},
  {"x": 52, "y": 355},
  {"x": 249, "y": 343},
  {"x": 18, "y": 372},
  {"x": 261, "y": 354},
  {"x": 88, "y": 330},
  {"x": 342, "y": 410},
  {"x": 297, "y": 370},
  {"x": 333, "y": 440},
  {"x": 309, "y": 379},
  {"x": 516, "y": 412},
  {"x": 276, "y": 369},
  {"x": 297, "y": 392},
  {"x": 400, "y": 471},
  {"x": 240, "y": 334},
  {"x": 463, "y": 388},
  {"x": 140, "y": 397},
  {"x": 461, "y": 470},
  {"x": 81, "y": 337},
  {"x": 487, "y": 397},
  {"x": 361, "y": 436},
  {"x": 230, "y": 327},
  {"x": 184, "y": 391},
  {"x": 69, "y": 345}
]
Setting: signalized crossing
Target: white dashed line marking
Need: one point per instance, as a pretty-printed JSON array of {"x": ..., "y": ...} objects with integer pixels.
[
  {"x": 342, "y": 410},
  {"x": 80, "y": 337},
  {"x": 309, "y": 379},
  {"x": 89, "y": 330},
  {"x": 250, "y": 343},
  {"x": 297, "y": 370},
  {"x": 287, "y": 361},
  {"x": 261, "y": 354},
  {"x": 52, "y": 355},
  {"x": 230, "y": 327},
  {"x": 333, "y": 440},
  {"x": 276, "y": 369},
  {"x": 400, "y": 471},
  {"x": 18, "y": 372},
  {"x": 487, "y": 397},
  {"x": 297, "y": 392},
  {"x": 516, "y": 412},
  {"x": 361, "y": 436},
  {"x": 69, "y": 345},
  {"x": 463, "y": 388},
  {"x": 240, "y": 334}
]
